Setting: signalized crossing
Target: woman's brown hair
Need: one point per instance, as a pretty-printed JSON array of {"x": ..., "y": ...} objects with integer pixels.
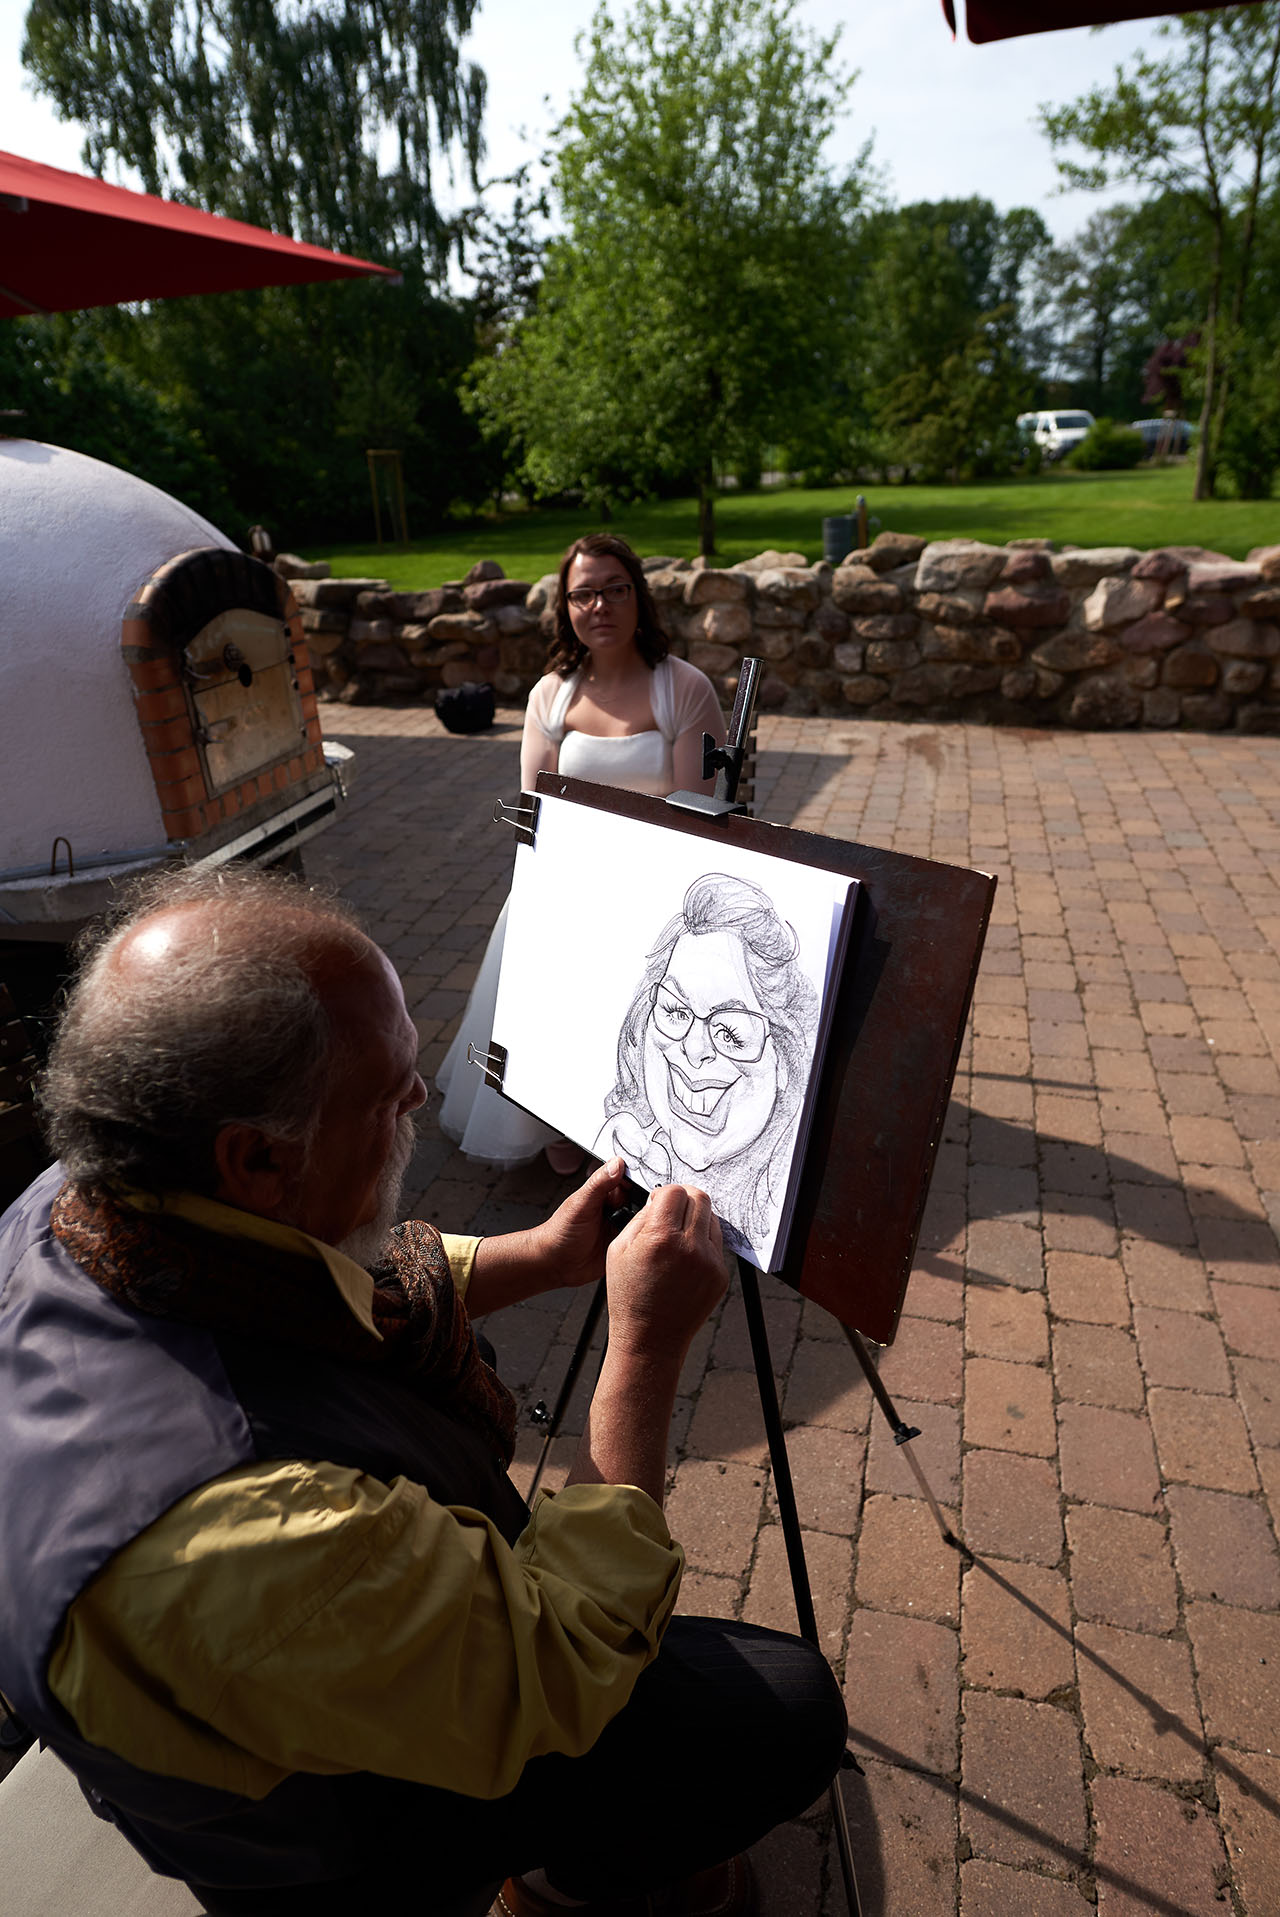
[{"x": 567, "y": 652}]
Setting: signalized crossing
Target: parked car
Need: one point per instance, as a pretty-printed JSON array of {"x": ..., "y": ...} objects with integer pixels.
[
  {"x": 1163, "y": 435},
  {"x": 1055, "y": 433}
]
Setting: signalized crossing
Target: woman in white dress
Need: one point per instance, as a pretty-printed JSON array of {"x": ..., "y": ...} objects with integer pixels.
[{"x": 614, "y": 707}]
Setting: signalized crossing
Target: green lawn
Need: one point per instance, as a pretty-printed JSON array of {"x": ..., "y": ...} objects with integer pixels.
[{"x": 1144, "y": 508}]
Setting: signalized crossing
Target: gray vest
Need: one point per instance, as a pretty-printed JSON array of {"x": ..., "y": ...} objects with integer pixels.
[{"x": 107, "y": 1418}]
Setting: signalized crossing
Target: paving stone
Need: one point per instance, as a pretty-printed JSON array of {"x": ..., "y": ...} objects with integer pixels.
[
  {"x": 1008, "y": 1407},
  {"x": 1078, "y": 1223},
  {"x": 826, "y": 1386},
  {"x": 1237, "y": 1657},
  {"x": 1087, "y": 1288},
  {"x": 1016, "y": 1629},
  {"x": 732, "y": 1347},
  {"x": 936, "y": 1451},
  {"x": 903, "y": 1563},
  {"x": 770, "y": 1595},
  {"x": 702, "y": 1595},
  {"x": 1224, "y": 1547},
  {"x": 727, "y": 1422},
  {"x": 1139, "y": 1704},
  {"x": 1202, "y": 1440},
  {"x": 1002, "y": 1322},
  {"x": 931, "y": 1296},
  {"x": 1258, "y": 1385},
  {"x": 992, "y": 1890},
  {"x": 1107, "y": 1457},
  {"x": 1121, "y": 1569},
  {"x": 1250, "y": 1318},
  {"x": 1181, "y": 1350},
  {"x": 1154, "y": 1851},
  {"x": 1249, "y": 1808},
  {"x": 1097, "y": 1364},
  {"x": 1000, "y": 1249},
  {"x": 713, "y": 1511},
  {"x": 902, "y": 1689},
  {"x": 827, "y": 1470},
  {"x": 1153, "y": 1211},
  {"x": 1242, "y": 1251},
  {"x": 1012, "y": 1506},
  {"x": 787, "y": 1867},
  {"x": 1165, "y": 1275},
  {"x": 924, "y": 1362},
  {"x": 903, "y": 1831},
  {"x": 1022, "y": 1791}
]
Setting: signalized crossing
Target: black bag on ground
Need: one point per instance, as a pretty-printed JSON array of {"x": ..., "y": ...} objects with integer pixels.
[{"x": 466, "y": 708}]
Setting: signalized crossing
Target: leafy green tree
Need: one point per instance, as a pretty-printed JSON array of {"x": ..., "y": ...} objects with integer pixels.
[
  {"x": 706, "y": 266},
  {"x": 942, "y": 332},
  {"x": 1201, "y": 124},
  {"x": 956, "y": 419},
  {"x": 326, "y": 119},
  {"x": 319, "y": 118}
]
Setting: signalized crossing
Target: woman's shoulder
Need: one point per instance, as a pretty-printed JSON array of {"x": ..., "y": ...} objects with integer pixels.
[
  {"x": 545, "y": 693},
  {"x": 692, "y": 694}
]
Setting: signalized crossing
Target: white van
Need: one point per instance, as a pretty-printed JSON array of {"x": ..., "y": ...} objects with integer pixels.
[{"x": 1055, "y": 433}]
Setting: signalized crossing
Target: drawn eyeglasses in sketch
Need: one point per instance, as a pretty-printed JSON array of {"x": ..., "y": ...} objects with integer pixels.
[{"x": 714, "y": 1055}]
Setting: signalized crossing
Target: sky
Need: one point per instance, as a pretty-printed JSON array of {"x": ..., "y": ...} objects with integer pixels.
[{"x": 948, "y": 119}]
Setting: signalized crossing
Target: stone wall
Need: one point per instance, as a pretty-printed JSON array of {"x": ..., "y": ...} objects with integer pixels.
[{"x": 1021, "y": 634}]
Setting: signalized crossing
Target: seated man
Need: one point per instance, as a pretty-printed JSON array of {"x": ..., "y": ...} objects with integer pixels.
[{"x": 268, "y": 1589}]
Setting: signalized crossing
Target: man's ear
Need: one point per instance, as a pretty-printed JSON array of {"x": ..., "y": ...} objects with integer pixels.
[{"x": 255, "y": 1172}]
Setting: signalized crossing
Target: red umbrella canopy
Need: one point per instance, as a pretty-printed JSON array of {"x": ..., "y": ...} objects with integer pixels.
[
  {"x": 68, "y": 241},
  {"x": 1008, "y": 19}
]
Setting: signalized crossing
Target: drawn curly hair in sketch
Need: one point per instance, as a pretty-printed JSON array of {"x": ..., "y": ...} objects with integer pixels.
[{"x": 714, "y": 1054}]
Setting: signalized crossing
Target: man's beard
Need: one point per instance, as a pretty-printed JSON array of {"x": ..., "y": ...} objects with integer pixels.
[{"x": 367, "y": 1242}]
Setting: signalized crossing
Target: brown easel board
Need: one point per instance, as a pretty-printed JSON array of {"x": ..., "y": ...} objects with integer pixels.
[{"x": 900, "y": 1015}]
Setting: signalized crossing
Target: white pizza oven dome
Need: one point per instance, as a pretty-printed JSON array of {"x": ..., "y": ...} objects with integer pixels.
[{"x": 155, "y": 697}]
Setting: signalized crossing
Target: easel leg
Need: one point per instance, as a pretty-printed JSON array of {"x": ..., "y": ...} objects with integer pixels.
[
  {"x": 903, "y": 1433},
  {"x": 792, "y": 1536},
  {"x": 553, "y": 1420}
]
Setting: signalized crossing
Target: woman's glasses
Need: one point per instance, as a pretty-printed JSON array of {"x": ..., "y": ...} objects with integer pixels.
[
  {"x": 582, "y": 598},
  {"x": 734, "y": 1032}
]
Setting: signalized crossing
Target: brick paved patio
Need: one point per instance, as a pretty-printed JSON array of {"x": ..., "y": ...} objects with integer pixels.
[{"x": 1090, "y": 1712}]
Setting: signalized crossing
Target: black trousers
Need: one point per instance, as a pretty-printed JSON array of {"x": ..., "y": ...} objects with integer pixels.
[{"x": 731, "y": 1730}]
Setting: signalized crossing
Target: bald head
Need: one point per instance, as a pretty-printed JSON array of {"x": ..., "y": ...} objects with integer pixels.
[{"x": 225, "y": 998}]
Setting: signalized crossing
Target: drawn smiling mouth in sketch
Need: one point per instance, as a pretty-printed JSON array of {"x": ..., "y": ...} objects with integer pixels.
[{"x": 702, "y": 1103}]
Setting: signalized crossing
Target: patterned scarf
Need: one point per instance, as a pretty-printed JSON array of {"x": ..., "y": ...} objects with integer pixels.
[{"x": 170, "y": 1268}]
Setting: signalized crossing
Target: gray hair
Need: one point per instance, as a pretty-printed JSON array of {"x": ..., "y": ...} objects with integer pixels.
[{"x": 141, "y": 1079}]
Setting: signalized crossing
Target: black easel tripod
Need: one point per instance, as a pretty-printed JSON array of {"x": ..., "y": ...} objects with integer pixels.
[{"x": 727, "y": 764}]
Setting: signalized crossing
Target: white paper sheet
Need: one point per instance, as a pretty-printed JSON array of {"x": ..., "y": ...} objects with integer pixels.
[{"x": 663, "y": 996}]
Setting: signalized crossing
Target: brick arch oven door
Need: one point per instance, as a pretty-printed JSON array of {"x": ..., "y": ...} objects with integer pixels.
[{"x": 227, "y": 708}]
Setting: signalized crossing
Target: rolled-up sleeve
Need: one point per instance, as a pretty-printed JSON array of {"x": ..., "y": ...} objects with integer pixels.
[{"x": 292, "y": 1617}]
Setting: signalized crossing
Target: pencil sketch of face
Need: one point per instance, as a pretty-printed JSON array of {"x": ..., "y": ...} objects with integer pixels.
[
  {"x": 714, "y": 1053},
  {"x": 710, "y": 1063}
]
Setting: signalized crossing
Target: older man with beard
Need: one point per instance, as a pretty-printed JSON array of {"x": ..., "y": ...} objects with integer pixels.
[{"x": 268, "y": 1589}]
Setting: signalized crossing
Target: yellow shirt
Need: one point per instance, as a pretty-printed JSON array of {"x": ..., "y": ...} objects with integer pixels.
[{"x": 300, "y": 1616}]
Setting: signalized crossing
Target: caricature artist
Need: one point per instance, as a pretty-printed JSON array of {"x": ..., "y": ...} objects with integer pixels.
[{"x": 268, "y": 1588}]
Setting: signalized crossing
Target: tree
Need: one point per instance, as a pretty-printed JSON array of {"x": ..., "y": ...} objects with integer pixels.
[
  {"x": 1203, "y": 125},
  {"x": 706, "y": 265},
  {"x": 318, "y": 118},
  {"x": 325, "y": 119},
  {"x": 941, "y": 333}
]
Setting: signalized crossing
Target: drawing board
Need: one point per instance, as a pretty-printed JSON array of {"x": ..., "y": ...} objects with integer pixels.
[
  {"x": 668, "y": 999},
  {"x": 896, "y": 1031}
]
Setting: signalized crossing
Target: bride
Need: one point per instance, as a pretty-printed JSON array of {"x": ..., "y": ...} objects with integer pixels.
[{"x": 616, "y": 707}]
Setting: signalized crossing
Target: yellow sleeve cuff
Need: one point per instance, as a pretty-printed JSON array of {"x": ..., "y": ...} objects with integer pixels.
[{"x": 461, "y": 1253}]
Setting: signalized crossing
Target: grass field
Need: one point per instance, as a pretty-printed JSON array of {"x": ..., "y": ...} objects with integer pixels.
[{"x": 1146, "y": 508}]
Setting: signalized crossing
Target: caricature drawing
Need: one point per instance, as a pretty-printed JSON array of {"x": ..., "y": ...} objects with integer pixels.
[{"x": 714, "y": 1055}]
